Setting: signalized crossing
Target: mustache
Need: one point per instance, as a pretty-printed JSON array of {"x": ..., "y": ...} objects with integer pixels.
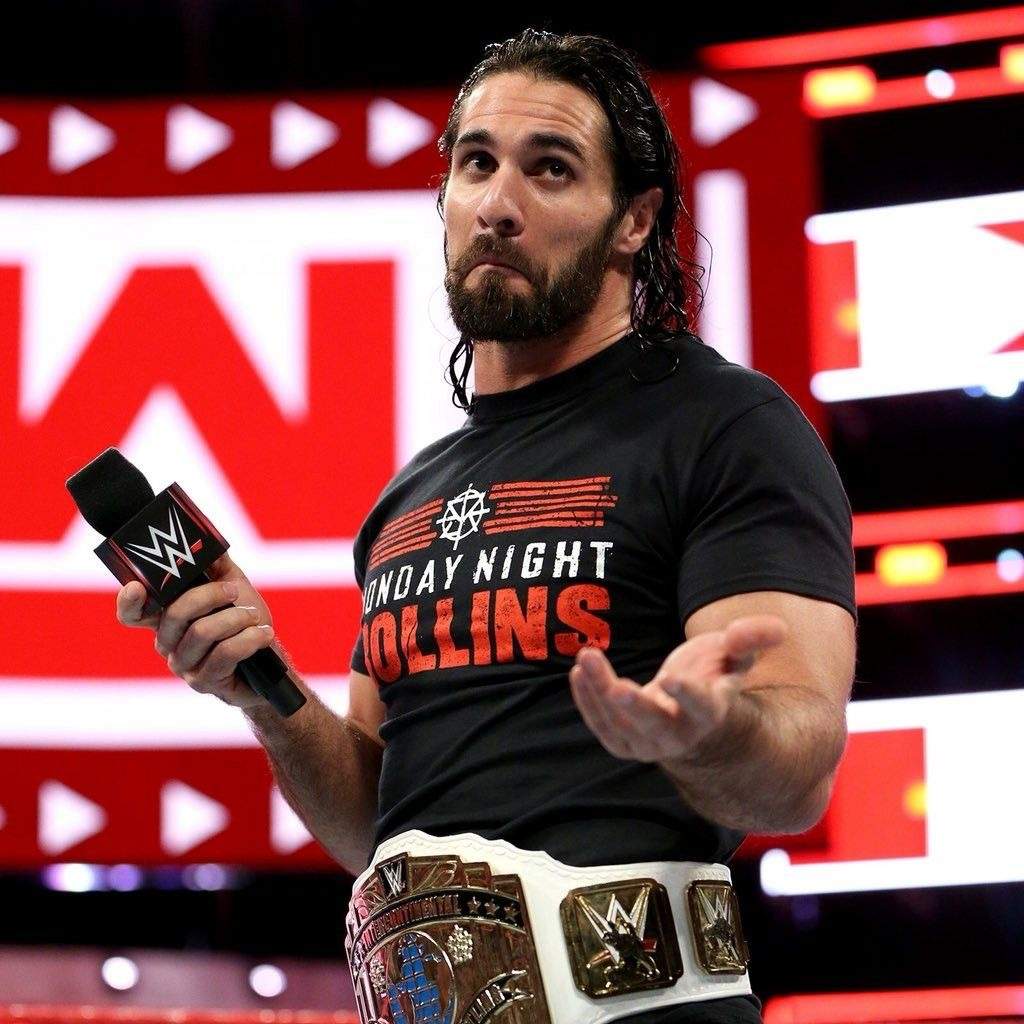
[{"x": 510, "y": 260}]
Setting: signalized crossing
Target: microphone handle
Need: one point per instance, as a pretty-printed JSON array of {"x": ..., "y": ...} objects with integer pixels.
[{"x": 266, "y": 674}]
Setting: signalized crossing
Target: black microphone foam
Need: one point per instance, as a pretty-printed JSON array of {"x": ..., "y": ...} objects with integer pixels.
[{"x": 109, "y": 491}]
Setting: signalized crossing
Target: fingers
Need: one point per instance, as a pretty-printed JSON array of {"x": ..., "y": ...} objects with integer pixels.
[
  {"x": 202, "y": 634},
  {"x": 704, "y": 704},
  {"x": 664, "y": 718},
  {"x": 225, "y": 568},
  {"x": 181, "y": 613},
  {"x": 216, "y": 673},
  {"x": 746, "y": 637},
  {"x": 630, "y": 721},
  {"x": 755, "y": 631},
  {"x": 207, "y": 631},
  {"x": 597, "y": 712}
]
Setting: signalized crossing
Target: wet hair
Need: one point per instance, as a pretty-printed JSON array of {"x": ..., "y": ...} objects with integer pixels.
[{"x": 667, "y": 293}]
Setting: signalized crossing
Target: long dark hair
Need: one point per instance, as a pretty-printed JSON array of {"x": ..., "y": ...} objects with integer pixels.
[{"x": 667, "y": 293}]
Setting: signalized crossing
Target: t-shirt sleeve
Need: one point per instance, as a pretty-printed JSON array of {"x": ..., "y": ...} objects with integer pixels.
[
  {"x": 357, "y": 662},
  {"x": 765, "y": 509}
]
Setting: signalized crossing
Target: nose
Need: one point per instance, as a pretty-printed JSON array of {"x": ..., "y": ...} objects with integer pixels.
[{"x": 499, "y": 208}]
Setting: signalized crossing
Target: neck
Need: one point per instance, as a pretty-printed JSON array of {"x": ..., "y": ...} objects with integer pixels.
[{"x": 504, "y": 366}]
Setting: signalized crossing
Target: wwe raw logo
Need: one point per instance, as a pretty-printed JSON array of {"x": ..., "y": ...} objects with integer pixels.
[{"x": 176, "y": 549}]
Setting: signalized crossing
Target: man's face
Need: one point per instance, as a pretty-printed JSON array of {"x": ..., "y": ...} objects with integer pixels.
[{"x": 531, "y": 186}]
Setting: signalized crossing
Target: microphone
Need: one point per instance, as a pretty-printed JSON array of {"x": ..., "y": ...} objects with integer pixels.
[{"x": 167, "y": 544}]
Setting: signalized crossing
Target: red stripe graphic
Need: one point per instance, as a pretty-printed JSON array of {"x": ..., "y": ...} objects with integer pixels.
[
  {"x": 561, "y": 519},
  {"x": 513, "y": 485},
  {"x": 420, "y": 541},
  {"x": 598, "y": 501},
  {"x": 537, "y": 522},
  {"x": 377, "y": 559},
  {"x": 423, "y": 510},
  {"x": 399, "y": 536},
  {"x": 410, "y": 531},
  {"x": 517, "y": 505},
  {"x": 580, "y": 495},
  {"x": 526, "y": 504},
  {"x": 591, "y": 515}
]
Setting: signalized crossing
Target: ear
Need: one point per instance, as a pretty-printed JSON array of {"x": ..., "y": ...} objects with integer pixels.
[{"x": 638, "y": 221}]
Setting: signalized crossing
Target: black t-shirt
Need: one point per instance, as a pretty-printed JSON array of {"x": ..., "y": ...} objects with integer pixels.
[
  {"x": 582, "y": 508},
  {"x": 585, "y": 507}
]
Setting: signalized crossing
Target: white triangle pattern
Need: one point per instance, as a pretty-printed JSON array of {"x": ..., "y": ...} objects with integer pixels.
[
  {"x": 393, "y": 132},
  {"x": 297, "y": 134},
  {"x": 188, "y": 817},
  {"x": 76, "y": 139},
  {"x": 717, "y": 111},
  {"x": 287, "y": 832},
  {"x": 8, "y": 136},
  {"x": 193, "y": 137},
  {"x": 66, "y": 818}
]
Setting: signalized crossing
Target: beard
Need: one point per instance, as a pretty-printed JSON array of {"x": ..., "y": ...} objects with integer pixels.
[{"x": 496, "y": 309}]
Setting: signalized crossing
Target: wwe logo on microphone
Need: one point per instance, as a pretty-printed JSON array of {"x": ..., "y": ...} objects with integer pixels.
[
  {"x": 138, "y": 549},
  {"x": 176, "y": 549}
]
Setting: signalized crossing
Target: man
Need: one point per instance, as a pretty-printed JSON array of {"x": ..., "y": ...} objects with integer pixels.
[{"x": 608, "y": 624}]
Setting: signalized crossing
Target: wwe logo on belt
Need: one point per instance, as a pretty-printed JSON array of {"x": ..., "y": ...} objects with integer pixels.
[
  {"x": 613, "y": 951},
  {"x": 715, "y": 919},
  {"x": 393, "y": 875}
]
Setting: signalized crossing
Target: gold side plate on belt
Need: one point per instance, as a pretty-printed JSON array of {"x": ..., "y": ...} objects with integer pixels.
[
  {"x": 717, "y": 932},
  {"x": 621, "y": 937},
  {"x": 433, "y": 940}
]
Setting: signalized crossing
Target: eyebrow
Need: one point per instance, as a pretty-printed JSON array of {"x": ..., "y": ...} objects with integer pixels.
[{"x": 538, "y": 140}]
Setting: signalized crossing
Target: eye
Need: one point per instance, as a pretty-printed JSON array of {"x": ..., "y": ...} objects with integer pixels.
[
  {"x": 559, "y": 168},
  {"x": 475, "y": 156},
  {"x": 554, "y": 162}
]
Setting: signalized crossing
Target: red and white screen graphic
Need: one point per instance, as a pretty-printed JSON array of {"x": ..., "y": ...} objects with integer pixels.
[
  {"x": 276, "y": 351},
  {"x": 916, "y": 298}
]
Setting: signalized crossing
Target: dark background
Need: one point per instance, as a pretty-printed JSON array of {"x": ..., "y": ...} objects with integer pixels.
[{"x": 151, "y": 47}]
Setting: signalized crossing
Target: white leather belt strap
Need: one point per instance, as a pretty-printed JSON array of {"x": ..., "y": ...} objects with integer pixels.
[{"x": 545, "y": 884}]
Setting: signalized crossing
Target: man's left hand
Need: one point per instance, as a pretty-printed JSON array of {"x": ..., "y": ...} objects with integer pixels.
[{"x": 687, "y": 700}]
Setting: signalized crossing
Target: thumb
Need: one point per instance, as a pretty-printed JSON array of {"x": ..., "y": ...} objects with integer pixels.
[{"x": 747, "y": 636}]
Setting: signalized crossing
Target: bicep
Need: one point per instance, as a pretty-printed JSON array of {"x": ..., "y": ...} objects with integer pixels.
[
  {"x": 365, "y": 708},
  {"x": 819, "y": 650}
]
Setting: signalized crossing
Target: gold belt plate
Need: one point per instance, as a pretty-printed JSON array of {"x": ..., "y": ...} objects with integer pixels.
[
  {"x": 621, "y": 937},
  {"x": 433, "y": 940}
]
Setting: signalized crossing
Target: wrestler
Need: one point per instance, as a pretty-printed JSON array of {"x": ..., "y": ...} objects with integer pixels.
[{"x": 581, "y": 742}]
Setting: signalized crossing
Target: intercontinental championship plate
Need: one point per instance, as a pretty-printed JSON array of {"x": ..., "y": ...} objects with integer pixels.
[{"x": 431, "y": 940}]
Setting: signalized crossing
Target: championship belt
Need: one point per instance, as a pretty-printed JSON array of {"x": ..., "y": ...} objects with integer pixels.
[
  {"x": 438, "y": 933},
  {"x": 433, "y": 940}
]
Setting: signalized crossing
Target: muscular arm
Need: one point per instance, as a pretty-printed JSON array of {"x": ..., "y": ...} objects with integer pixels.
[
  {"x": 328, "y": 766},
  {"x": 771, "y": 765},
  {"x": 747, "y": 717}
]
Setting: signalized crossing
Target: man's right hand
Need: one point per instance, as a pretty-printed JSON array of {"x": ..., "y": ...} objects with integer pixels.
[{"x": 202, "y": 644}]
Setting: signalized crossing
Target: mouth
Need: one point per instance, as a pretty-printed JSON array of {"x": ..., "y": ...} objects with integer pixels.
[{"x": 495, "y": 263}]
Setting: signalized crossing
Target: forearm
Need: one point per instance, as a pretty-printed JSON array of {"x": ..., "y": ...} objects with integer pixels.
[
  {"x": 328, "y": 770},
  {"x": 769, "y": 768}
]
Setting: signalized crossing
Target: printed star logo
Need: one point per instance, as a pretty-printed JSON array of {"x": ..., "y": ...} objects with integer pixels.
[{"x": 462, "y": 515}]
